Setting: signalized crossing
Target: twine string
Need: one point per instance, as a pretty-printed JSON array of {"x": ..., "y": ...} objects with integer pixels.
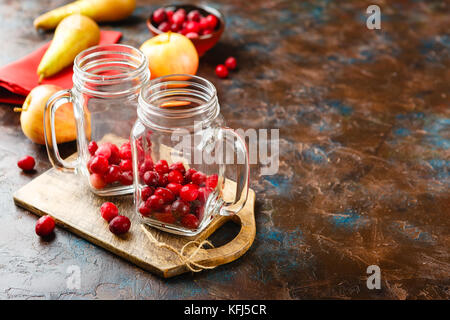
[{"x": 187, "y": 259}]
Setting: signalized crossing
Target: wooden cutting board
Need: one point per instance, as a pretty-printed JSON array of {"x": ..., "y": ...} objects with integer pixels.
[{"x": 65, "y": 197}]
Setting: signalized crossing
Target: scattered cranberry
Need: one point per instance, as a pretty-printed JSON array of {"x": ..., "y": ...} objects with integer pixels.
[
  {"x": 99, "y": 164},
  {"x": 155, "y": 202},
  {"x": 126, "y": 178},
  {"x": 230, "y": 63},
  {"x": 198, "y": 178},
  {"x": 120, "y": 225},
  {"x": 151, "y": 178},
  {"x": 189, "y": 192},
  {"x": 146, "y": 192},
  {"x": 175, "y": 176},
  {"x": 166, "y": 194},
  {"x": 178, "y": 166},
  {"x": 175, "y": 188},
  {"x": 221, "y": 71},
  {"x": 27, "y": 163},
  {"x": 113, "y": 174},
  {"x": 109, "y": 211},
  {"x": 92, "y": 147},
  {"x": 44, "y": 226},
  {"x": 159, "y": 15},
  {"x": 190, "y": 221},
  {"x": 97, "y": 181}
]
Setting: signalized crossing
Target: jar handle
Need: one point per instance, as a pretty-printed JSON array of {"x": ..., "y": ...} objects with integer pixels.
[
  {"x": 242, "y": 180},
  {"x": 53, "y": 103}
]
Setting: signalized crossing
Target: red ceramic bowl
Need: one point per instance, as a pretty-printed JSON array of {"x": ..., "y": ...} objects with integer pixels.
[{"x": 204, "y": 42}]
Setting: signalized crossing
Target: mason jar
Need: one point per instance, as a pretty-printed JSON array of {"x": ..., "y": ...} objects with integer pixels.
[
  {"x": 188, "y": 166},
  {"x": 106, "y": 84}
]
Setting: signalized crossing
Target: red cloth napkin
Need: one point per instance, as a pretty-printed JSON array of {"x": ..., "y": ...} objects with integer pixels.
[{"x": 17, "y": 79}]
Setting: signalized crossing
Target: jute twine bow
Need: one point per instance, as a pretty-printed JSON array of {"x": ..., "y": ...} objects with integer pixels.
[{"x": 187, "y": 259}]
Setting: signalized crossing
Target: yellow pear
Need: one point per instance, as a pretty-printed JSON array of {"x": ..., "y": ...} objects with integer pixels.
[
  {"x": 74, "y": 34},
  {"x": 99, "y": 10}
]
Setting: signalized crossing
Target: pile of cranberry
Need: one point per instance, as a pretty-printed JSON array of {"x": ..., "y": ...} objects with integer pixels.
[
  {"x": 191, "y": 24},
  {"x": 110, "y": 164},
  {"x": 173, "y": 194}
]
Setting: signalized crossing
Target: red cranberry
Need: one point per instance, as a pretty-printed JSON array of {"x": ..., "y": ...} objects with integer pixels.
[
  {"x": 99, "y": 165},
  {"x": 104, "y": 150},
  {"x": 163, "y": 180},
  {"x": 204, "y": 24},
  {"x": 151, "y": 178},
  {"x": 120, "y": 225},
  {"x": 147, "y": 165},
  {"x": 146, "y": 192},
  {"x": 159, "y": 15},
  {"x": 199, "y": 212},
  {"x": 192, "y": 26},
  {"x": 126, "y": 178},
  {"x": 155, "y": 202},
  {"x": 175, "y": 176},
  {"x": 212, "y": 21},
  {"x": 164, "y": 26},
  {"x": 169, "y": 15},
  {"x": 92, "y": 147},
  {"x": 230, "y": 63},
  {"x": 126, "y": 165},
  {"x": 27, "y": 163},
  {"x": 44, "y": 226},
  {"x": 192, "y": 35},
  {"x": 203, "y": 194},
  {"x": 144, "y": 210},
  {"x": 97, "y": 181},
  {"x": 125, "y": 151},
  {"x": 178, "y": 17},
  {"x": 166, "y": 194},
  {"x": 198, "y": 178},
  {"x": 188, "y": 175},
  {"x": 211, "y": 181},
  {"x": 189, "y": 192},
  {"x": 180, "y": 208},
  {"x": 206, "y": 31},
  {"x": 190, "y": 221},
  {"x": 115, "y": 153},
  {"x": 194, "y": 15},
  {"x": 109, "y": 211},
  {"x": 178, "y": 166},
  {"x": 113, "y": 174},
  {"x": 162, "y": 167},
  {"x": 175, "y": 27},
  {"x": 221, "y": 71},
  {"x": 175, "y": 188},
  {"x": 164, "y": 217}
]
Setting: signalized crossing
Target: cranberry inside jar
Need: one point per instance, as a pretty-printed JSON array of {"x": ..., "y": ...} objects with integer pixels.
[{"x": 177, "y": 145}]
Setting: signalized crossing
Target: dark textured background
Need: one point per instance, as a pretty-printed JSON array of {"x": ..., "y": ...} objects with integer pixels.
[{"x": 364, "y": 178}]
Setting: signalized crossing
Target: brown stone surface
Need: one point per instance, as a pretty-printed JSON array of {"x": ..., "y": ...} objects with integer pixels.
[{"x": 364, "y": 178}]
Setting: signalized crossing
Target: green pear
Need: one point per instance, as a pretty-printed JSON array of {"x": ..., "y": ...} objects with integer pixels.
[{"x": 74, "y": 34}]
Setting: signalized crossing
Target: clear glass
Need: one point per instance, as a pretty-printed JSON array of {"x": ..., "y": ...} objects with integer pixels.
[
  {"x": 180, "y": 141},
  {"x": 106, "y": 84}
]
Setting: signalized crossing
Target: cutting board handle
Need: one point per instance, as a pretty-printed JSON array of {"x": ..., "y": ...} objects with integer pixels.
[{"x": 240, "y": 244}]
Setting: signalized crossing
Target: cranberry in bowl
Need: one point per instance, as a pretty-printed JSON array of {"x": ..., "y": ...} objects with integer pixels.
[{"x": 202, "y": 24}]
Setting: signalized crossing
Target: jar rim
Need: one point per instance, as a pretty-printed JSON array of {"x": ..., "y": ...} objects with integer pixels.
[{"x": 104, "y": 49}]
